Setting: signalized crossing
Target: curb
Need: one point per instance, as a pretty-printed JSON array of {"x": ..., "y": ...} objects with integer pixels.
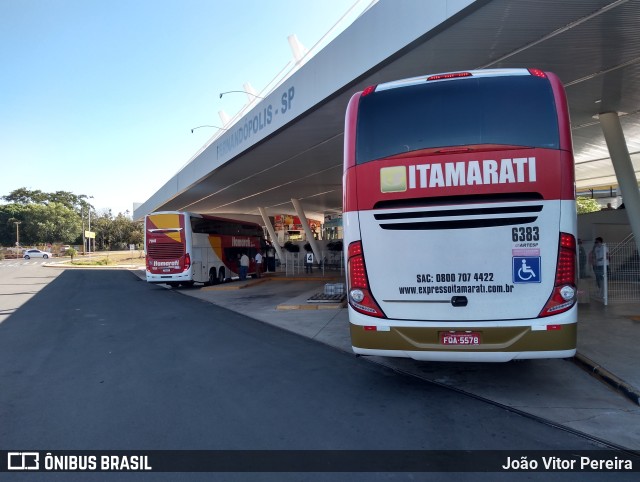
[
  {"x": 607, "y": 377},
  {"x": 265, "y": 277},
  {"x": 310, "y": 306},
  {"x": 91, "y": 266},
  {"x": 305, "y": 278},
  {"x": 233, "y": 287}
]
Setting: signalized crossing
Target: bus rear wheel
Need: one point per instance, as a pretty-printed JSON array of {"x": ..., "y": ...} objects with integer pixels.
[
  {"x": 213, "y": 280},
  {"x": 221, "y": 276}
]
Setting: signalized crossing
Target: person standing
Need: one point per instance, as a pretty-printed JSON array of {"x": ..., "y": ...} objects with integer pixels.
[
  {"x": 599, "y": 259},
  {"x": 258, "y": 260},
  {"x": 244, "y": 266}
]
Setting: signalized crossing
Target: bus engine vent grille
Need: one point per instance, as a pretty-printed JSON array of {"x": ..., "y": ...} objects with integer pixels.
[
  {"x": 165, "y": 250},
  {"x": 465, "y": 218}
]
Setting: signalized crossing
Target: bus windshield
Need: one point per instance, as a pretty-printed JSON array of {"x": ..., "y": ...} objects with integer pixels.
[{"x": 514, "y": 111}]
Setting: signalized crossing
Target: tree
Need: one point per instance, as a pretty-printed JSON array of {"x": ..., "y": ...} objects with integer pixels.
[
  {"x": 67, "y": 199},
  {"x": 60, "y": 217},
  {"x": 9, "y": 215},
  {"x": 25, "y": 196},
  {"x": 126, "y": 231},
  {"x": 38, "y": 223},
  {"x": 587, "y": 205},
  {"x": 136, "y": 235},
  {"x": 101, "y": 224},
  {"x": 116, "y": 233}
]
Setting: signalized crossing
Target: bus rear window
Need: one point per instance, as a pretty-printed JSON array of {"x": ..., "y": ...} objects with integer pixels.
[{"x": 513, "y": 111}]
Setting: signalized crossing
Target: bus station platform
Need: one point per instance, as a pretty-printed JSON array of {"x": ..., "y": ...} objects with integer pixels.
[{"x": 596, "y": 393}]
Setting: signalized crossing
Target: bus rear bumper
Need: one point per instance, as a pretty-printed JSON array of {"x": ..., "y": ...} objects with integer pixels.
[
  {"x": 488, "y": 341},
  {"x": 473, "y": 356},
  {"x": 169, "y": 278}
]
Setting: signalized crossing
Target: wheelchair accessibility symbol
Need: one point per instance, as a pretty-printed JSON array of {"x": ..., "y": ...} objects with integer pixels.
[{"x": 526, "y": 269}]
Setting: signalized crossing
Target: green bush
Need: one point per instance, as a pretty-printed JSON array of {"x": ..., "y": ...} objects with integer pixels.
[{"x": 587, "y": 205}]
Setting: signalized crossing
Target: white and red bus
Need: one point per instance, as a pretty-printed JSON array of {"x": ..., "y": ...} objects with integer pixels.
[
  {"x": 460, "y": 217},
  {"x": 184, "y": 248}
]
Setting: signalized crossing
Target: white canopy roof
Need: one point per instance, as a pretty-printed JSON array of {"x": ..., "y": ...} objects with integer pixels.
[{"x": 290, "y": 144}]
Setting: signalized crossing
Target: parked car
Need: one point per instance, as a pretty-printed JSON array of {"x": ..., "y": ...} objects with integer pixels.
[{"x": 36, "y": 253}]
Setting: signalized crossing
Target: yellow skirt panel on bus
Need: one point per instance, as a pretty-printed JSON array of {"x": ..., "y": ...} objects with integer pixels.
[{"x": 502, "y": 339}]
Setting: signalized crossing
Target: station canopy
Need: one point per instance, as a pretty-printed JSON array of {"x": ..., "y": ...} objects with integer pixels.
[{"x": 290, "y": 144}]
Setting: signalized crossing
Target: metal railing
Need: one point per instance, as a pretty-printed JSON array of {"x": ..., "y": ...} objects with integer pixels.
[
  {"x": 295, "y": 263},
  {"x": 618, "y": 280}
]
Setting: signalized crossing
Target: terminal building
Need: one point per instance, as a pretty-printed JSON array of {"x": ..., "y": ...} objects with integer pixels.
[{"x": 280, "y": 160}]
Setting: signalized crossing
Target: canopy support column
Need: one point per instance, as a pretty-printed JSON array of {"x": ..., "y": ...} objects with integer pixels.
[
  {"x": 623, "y": 168},
  {"x": 272, "y": 233},
  {"x": 307, "y": 230}
]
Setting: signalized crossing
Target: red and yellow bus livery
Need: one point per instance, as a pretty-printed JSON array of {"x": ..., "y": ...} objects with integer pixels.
[{"x": 185, "y": 248}]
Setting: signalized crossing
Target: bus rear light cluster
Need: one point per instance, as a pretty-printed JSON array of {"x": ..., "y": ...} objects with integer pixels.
[
  {"x": 566, "y": 268},
  {"x": 369, "y": 90},
  {"x": 360, "y": 297},
  {"x": 187, "y": 262},
  {"x": 538, "y": 73},
  {"x": 564, "y": 290}
]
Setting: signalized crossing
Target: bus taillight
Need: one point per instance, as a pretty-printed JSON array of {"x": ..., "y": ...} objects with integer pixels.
[
  {"x": 369, "y": 90},
  {"x": 358, "y": 285},
  {"x": 187, "y": 262},
  {"x": 538, "y": 73},
  {"x": 564, "y": 290},
  {"x": 566, "y": 270}
]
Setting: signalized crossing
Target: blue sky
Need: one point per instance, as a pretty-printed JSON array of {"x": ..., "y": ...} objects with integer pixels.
[{"x": 99, "y": 97}]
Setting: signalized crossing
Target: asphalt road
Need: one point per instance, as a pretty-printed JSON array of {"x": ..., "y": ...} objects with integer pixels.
[
  {"x": 20, "y": 279},
  {"x": 99, "y": 360}
]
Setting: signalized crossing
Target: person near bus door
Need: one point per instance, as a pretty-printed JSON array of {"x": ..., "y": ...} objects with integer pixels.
[
  {"x": 598, "y": 260},
  {"x": 258, "y": 260},
  {"x": 244, "y": 266}
]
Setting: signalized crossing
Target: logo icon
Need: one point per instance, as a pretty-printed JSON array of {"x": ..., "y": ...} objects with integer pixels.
[
  {"x": 23, "y": 461},
  {"x": 526, "y": 269},
  {"x": 393, "y": 179}
]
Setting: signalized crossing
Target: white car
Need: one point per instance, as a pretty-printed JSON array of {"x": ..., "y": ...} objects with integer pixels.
[{"x": 36, "y": 253}]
